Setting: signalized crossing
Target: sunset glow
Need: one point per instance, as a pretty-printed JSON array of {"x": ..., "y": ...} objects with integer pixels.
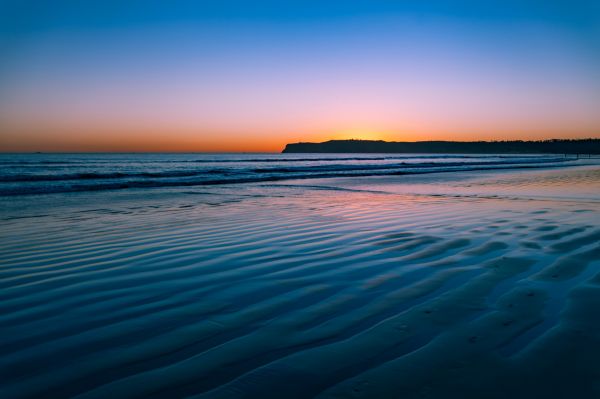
[{"x": 230, "y": 77}]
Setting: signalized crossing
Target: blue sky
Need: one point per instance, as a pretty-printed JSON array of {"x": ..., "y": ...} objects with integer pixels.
[{"x": 209, "y": 74}]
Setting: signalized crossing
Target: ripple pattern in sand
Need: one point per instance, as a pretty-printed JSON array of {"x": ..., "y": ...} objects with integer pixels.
[{"x": 294, "y": 298}]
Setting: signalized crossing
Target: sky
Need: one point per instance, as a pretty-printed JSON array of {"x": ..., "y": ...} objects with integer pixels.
[{"x": 240, "y": 75}]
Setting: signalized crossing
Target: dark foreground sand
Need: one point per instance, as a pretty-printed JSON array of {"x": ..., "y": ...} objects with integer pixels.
[{"x": 484, "y": 286}]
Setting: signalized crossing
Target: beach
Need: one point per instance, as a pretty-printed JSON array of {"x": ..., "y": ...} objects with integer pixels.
[{"x": 412, "y": 277}]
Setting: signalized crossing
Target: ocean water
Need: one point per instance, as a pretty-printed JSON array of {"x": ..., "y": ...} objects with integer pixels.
[
  {"x": 56, "y": 173},
  {"x": 299, "y": 276}
]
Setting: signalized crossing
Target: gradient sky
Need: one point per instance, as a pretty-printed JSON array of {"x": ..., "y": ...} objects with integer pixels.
[{"x": 240, "y": 75}]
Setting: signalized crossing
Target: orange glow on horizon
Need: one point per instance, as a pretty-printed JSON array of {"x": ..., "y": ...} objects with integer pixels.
[
  {"x": 190, "y": 140},
  {"x": 243, "y": 82}
]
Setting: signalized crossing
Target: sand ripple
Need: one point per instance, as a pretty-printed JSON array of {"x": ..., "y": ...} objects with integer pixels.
[{"x": 342, "y": 295}]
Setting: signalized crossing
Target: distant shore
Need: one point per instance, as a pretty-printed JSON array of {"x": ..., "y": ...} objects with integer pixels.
[{"x": 555, "y": 146}]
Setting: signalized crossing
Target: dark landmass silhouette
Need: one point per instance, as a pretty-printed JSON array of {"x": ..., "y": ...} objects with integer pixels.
[{"x": 555, "y": 146}]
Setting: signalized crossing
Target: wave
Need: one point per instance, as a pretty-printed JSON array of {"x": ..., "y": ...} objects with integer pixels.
[
  {"x": 380, "y": 158},
  {"x": 211, "y": 177},
  {"x": 397, "y": 165},
  {"x": 153, "y": 160},
  {"x": 29, "y": 177},
  {"x": 96, "y": 175}
]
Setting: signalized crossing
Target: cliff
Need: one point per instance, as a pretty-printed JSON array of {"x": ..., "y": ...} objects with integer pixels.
[{"x": 556, "y": 146}]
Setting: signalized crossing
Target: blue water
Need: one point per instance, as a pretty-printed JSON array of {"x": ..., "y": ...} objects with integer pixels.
[{"x": 23, "y": 174}]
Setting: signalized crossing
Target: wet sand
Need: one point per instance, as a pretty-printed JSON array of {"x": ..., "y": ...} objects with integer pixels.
[{"x": 483, "y": 285}]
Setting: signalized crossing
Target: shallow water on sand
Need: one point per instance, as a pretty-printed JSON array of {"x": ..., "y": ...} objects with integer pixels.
[{"x": 482, "y": 284}]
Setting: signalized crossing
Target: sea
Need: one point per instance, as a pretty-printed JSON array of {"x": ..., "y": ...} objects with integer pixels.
[{"x": 26, "y": 174}]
